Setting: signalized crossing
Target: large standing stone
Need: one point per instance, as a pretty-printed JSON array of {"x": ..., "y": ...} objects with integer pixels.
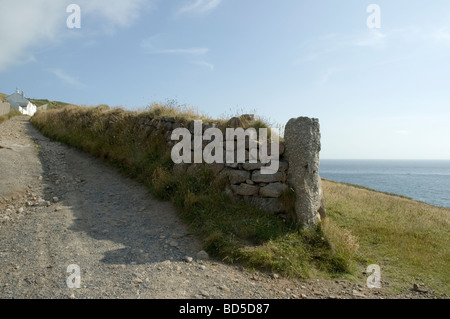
[{"x": 302, "y": 141}]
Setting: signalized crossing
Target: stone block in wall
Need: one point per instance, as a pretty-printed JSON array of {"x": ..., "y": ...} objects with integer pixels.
[
  {"x": 252, "y": 166},
  {"x": 234, "y": 122},
  {"x": 257, "y": 177},
  {"x": 283, "y": 166},
  {"x": 247, "y": 156},
  {"x": 178, "y": 125},
  {"x": 273, "y": 190},
  {"x": 167, "y": 126},
  {"x": 281, "y": 147},
  {"x": 236, "y": 176},
  {"x": 245, "y": 189},
  {"x": 232, "y": 165},
  {"x": 169, "y": 119}
]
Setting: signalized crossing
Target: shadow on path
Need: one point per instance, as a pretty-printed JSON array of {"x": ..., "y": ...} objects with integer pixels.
[{"x": 108, "y": 207}]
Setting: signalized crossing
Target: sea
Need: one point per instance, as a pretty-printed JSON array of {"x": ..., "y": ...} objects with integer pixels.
[{"x": 423, "y": 180}]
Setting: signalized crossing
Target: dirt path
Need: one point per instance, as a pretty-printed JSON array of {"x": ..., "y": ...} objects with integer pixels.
[{"x": 61, "y": 207}]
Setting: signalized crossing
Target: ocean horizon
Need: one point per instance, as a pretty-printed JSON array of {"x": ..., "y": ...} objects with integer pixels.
[{"x": 422, "y": 180}]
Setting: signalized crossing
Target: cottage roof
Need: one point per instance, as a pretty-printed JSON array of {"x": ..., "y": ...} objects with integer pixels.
[{"x": 16, "y": 100}]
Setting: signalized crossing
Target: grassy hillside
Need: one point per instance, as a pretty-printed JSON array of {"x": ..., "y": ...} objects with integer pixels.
[
  {"x": 408, "y": 239},
  {"x": 51, "y": 104}
]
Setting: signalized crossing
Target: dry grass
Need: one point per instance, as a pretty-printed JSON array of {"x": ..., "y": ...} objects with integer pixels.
[
  {"x": 408, "y": 239},
  {"x": 179, "y": 112}
]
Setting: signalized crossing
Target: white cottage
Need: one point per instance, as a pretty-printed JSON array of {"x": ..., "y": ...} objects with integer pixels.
[{"x": 20, "y": 103}]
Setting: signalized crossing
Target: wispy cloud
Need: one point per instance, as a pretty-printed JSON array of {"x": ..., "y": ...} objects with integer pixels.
[
  {"x": 66, "y": 78},
  {"x": 441, "y": 35},
  {"x": 157, "y": 44},
  {"x": 116, "y": 12},
  {"x": 328, "y": 73},
  {"x": 189, "y": 51},
  {"x": 198, "y": 7},
  {"x": 38, "y": 24},
  {"x": 204, "y": 64},
  {"x": 402, "y": 132},
  {"x": 149, "y": 47},
  {"x": 374, "y": 38}
]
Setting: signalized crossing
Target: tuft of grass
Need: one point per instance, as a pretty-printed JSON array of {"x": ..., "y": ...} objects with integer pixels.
[{"x": 180, "y": 112}]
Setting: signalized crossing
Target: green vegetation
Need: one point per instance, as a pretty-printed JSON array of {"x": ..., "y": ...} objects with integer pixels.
[
  {"x": 50, "y": 104},
  {"x": 408, "y": 239}
]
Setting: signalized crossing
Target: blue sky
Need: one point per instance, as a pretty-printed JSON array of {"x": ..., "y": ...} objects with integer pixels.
[{"x": 379, "y": 93}]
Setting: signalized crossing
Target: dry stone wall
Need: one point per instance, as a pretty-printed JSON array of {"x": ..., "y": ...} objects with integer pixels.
[{"x": 293, "y": 192}]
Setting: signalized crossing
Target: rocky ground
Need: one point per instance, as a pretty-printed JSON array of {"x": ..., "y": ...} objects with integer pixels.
[{"x": 60, "y": 207}]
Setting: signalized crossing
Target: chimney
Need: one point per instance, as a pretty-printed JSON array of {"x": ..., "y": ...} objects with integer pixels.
[{"x": 22, "y": 94}]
